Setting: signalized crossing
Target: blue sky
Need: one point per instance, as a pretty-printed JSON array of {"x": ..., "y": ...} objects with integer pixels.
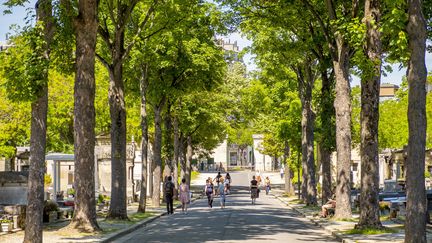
[{"x": 19, "y": 14}]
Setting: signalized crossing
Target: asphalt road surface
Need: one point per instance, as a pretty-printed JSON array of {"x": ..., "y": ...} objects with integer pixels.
[{"x": 266, "y": 221}]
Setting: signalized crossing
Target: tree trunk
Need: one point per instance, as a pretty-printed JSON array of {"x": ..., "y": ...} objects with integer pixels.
[
  {"x": 176, "y": 155},
  {"x": 168, "y": 143},
  {"x": 327, "y": 141},
  {"x": 84, "y": 118},
  {"x": 343, "y": 136},
  {"x": 340, "y": 52},
  {"x": 182, "y": 157},
  {"x": 325, "y": 156},
  {"x": 118, "y": 207},
  {"x": 287, "y": 171},
  {"x": 415, "y": 226},
  {"x": 157, "y": 157},
  {"x": 189, "y": 153},
  {"x": 369, "y": 117},
  {"x": 39, "y": 109},
  {"x": 308, "y": 117},
  {"x": 144, "y": 143}
]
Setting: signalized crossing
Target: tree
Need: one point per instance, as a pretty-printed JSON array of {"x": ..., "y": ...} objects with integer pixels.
[
  {"x": 85, "y": 28},
  {"x": 340, "y": 15},
  {"x": 26, "y": 71},
  {"x": 114, "y": 20},
  {"x": 369, "y": 208},
  {"x": 415, "y": 226}
]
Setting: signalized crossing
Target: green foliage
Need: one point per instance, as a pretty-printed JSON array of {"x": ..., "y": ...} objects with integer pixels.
[
  {"x": 23, "y": 66},
  {"x": 47, "y": 180},
  {"x": 370, "y": 231}
]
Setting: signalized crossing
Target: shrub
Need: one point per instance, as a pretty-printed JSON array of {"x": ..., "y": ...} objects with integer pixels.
[
  {"x": 5, "y": 221},
  {"x": 50, "y": 206},
  {"x": 71, "y": 191},
  {"x": 384, "y": 206}
]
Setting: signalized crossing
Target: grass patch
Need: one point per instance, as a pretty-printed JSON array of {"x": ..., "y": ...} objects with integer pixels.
[
  {"x": 312, "y": 207},
  {"x": 345, "y": 219},
  {"x": 369, "y": 231},
  {"x": 136, "y": 217},
  {"x": 296, "y": 201}
]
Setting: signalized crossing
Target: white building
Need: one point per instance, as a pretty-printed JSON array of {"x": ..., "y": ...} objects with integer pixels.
[{"x": 263, "y": 162}]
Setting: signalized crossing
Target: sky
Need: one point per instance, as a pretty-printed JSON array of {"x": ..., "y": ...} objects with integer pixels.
[{"x": 19, "y": 14}]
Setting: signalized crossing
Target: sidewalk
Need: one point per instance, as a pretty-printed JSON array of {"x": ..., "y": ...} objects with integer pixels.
[
  {"x": 339, "y": 228},
  {"x": 112, "y": 229}
]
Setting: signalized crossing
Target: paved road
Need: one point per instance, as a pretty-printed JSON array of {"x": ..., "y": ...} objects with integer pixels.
[{"x": 267, "y": 221}]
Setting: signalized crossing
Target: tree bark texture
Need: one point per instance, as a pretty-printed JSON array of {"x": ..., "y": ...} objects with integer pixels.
[
  {"x": 84, "y": 118},
  {"x": 168, "y": 143},
  {"x": 327, "y": 141},
  {"x": 415, "y": 226},
  {"x": 189, "y": 153},
  {"x": 157, "y": 151},
  {"x": 340, "y": 53},
  {"x": 287, "y": 170},
  {"x": 369, "y": 117},
  {"x": 145, "y": 139},
  {"x": 176, "y": 154},
  {"x": 343, "y": 138},
  {"x": 325, "y": 156},
  {"x": 309, "y": 192},
  {"x": 182, "y": 147},
  {"x": 39, "y": 109},
  {"x": 118, "y": 205}
]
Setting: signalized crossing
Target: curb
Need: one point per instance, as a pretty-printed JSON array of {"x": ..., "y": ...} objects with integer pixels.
[
  {"x": 333, "y": 233},
  {"x": 138, "y": 225}
]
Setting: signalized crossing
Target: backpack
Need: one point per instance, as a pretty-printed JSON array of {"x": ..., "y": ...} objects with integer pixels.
[
  {"x": 210, "y": 189},
  {"x": 168, "y": 188}
]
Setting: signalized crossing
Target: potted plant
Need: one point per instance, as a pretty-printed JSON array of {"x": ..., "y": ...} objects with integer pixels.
[
  {"x": 50, "y": 211},
  {"x": 5, "y": 224}
]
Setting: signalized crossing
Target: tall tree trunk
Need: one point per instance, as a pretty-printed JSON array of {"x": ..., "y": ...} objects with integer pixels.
[
  {"x": 84, "y": 117},
  {"x": 287, "y": 171},
  {"x": 343, "y": 139},
  {"x": 183, "y": 167},
  {"x": 308, "y": 118},
  {"x": 168, "y": 143},
  {"x": 340, "y": 52},
  {"x": 189, "y": 153},
  {"x": 118, "y": 207},
  {"x": 415, "y": 226},
  {"x": 369, "y": 208},
  {"x": 157, "y": 157},
  {"x": 327, "y": 141},
  {"x": 39, "y": 109},
  {"x": 325, "y": 156},
  {"x": 144, "y": 143},
  {"x": 177, "y": 145}
]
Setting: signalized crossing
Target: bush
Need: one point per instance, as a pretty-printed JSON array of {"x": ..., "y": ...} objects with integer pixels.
[
  {"x": 5, "y": 221},
  {"x": 71, "y": 191},
  {"x": 384, "y": 206},
  {"x": 50, "y": 206}
]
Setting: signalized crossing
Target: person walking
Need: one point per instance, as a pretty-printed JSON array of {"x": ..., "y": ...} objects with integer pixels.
[
  {"x": 228, "y": 183},
  {"x": 169, "y": 193},
  {"x": 221, "y": 189},
  {"x": 209, "y": 191},
  {"x": 217, "y": 180},
  {"x": 267, "y": 185},
  {"x": 254, "y": 190},
  {"x": 282, "y": 172},
  {"x": 184, "y": 195}
]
